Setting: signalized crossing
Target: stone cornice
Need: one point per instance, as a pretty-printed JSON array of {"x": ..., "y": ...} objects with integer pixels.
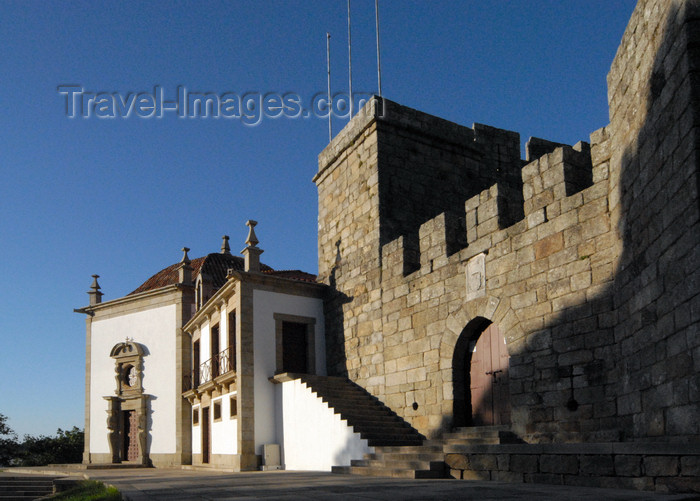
[
  {"x": 283, "y": 284},
  {"x": 91, "y": 310}
]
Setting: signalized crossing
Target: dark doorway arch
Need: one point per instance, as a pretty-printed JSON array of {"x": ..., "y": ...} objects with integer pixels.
[{"x": 480, "y": 376}]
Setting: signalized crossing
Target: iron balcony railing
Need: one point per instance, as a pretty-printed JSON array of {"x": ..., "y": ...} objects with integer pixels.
[{"x": 217, "y": 365}]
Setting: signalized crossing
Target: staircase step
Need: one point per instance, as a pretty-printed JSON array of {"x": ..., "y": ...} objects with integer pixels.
[
  {"x": 365, "y": 408},
  {"x": 376, "y": 429},
  {"x": 396, "y": 465},
  {"x": 25, "y": 487},
  {"x": 472, "y": 441},
  {"x": 407, "y": 456},
  {"x": 409, "y": 449},
  {"x": 381, "y": 442},
  {"x": 481, "y": 435},
  {"x": 354, "y": 400},
  {"x": 371, "y": 420},
  {"x": 377, "y": 472},
  {"x": 387, "y": 472},
  {"x": 479, "y": 430}
]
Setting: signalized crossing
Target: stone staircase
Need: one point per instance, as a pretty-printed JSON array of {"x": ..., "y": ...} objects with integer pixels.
[
  {"x": 369, "y": 417},
  {"x": 479, "y": 435},
  {"x": 20, "y": 488},
  {"x": 426, "y": 460},
  {"x": 413, "y": 461}
]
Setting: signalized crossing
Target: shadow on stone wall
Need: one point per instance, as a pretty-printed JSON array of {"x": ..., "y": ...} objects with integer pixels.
[
  {"x": 631, "y": 353},
  {"x": 622, "y": 361},
  {"x": 333, "y": 313}
]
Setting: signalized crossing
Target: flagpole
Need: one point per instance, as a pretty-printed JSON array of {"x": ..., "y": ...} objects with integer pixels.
[
  {"x": 330, "y": 102},
  {"x": 350, "y": 60},
  {"x": 379, "y": 60}
]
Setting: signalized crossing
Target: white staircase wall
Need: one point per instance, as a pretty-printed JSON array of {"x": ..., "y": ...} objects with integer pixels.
[{"x": 311, "y": 435}]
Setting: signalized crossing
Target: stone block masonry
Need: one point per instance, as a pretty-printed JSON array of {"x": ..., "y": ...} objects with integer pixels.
[
  {"x": 629, "y": 466},
  {"x": 585, "y": 257}
]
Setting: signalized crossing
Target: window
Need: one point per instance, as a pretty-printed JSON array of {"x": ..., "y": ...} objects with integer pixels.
[
  {"x": 217, "y": 410},
  {"x": 195, "y": 355},
  {"x": 198, "y": 293},
  {"x": 232, "y": 339},
  {"x": 234, "y": 407},
  {"x": 215, "y": 350},
  {"x": 195, "y": 364},
  {"x": 295, "y": 344},
  {"x": 195, "y": 416}
]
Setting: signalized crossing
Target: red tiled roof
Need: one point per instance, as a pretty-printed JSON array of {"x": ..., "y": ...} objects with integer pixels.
[
  {"x": 215, "y": 266},
  {"x": 293, "y": 274}
]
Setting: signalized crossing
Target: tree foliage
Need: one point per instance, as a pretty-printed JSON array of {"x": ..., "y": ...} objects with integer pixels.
[
  {"x": 8, "y": 442},
  {"x": 4, "y": 427},
  {"x": 65, "y": 447}
]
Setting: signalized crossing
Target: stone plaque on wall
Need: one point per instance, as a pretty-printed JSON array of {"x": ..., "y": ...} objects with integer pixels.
[{"x": 476, "y": 277}]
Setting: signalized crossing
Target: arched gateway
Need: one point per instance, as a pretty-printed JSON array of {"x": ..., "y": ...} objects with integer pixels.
[{"x": 480, "y": 376}]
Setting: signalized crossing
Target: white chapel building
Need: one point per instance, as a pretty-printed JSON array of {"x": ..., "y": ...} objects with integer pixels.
[{"x": 219, "y": 361}]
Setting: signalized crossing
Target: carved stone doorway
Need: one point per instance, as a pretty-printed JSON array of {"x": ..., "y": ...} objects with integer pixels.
[{"x": 128, "y": 411}]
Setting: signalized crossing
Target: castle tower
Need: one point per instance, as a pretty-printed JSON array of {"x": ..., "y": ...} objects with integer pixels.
[{"x": 387, "y": 172}]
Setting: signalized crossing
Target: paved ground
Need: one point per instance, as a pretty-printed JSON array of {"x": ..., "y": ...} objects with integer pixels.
[{"x": 176, "y": 484}]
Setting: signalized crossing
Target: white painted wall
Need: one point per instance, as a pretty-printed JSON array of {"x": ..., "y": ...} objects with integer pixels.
[
  {"x": 224, "y": 439},
  {"x": 265, "y": 305},
  {"x": 155, "y": 330},
  {"x": 313, "y": 437}
]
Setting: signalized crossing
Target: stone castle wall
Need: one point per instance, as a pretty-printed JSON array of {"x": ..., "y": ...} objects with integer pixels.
[{"x": 586, "y": 257}]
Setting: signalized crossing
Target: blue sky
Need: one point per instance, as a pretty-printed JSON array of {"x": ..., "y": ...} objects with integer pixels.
[{"x": 120, "y": 197}]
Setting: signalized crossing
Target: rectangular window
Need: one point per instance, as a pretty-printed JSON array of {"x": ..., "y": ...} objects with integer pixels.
[
  {"x": 195, "y": 416},
  {"x": 234, "y": 407},
  {"x": 232, "y": 339},
  {"x": 217, "y": 410},
  {"x": 215, "y": 351},
  {"x": 195, "y": 364}
]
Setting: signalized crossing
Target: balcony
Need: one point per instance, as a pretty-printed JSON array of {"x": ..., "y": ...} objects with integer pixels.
[{"x": 216, "y": 373}]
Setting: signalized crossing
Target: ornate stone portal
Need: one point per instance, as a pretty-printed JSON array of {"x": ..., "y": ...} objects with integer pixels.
[{"x": 127, "y": 412}]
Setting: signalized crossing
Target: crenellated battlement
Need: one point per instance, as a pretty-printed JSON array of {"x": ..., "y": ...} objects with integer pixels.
[{"x": 550, "y": 184}]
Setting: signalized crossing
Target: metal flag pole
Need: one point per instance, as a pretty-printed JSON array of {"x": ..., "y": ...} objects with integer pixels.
[
  {"x": 330, "y": 101},
  {"x": 379, "y": 60},
  {"x": 350, "y": 60}
]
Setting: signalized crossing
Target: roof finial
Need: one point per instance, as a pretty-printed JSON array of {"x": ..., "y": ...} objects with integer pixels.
[
  {"x": 94, "y": 292},
  {"x": 251, "y": 252},
  {"x": 184, "y": 271},
  {"x": 185, "y": 257},
  {"x": 252, "y": 240},
  {"x": 225, "y": 249}
]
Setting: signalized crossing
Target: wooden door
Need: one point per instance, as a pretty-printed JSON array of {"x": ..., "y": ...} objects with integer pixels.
[
  {"x": 488, "y": 379},
  {"x": 206, "y": 435},
  {"x": 132, "y": 453},
  {"x": 130, "y": 436}
]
